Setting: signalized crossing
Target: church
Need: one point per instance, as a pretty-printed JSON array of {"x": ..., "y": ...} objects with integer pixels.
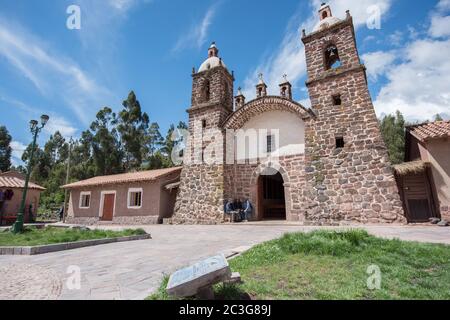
[{"x": 323, "y": 165}]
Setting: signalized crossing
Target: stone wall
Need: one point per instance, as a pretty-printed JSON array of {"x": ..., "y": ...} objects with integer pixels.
[
  {"x": 241, "y": 182},
  {"x": 136, "y": 220},
  {"x": 354, "y": 183},
  {"x": 201, "y": 193}
]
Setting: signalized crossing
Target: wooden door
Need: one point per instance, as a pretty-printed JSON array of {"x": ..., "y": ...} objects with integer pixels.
[
  {"x": 418, "y": 198},
  {"x": 108, "y": 207}
]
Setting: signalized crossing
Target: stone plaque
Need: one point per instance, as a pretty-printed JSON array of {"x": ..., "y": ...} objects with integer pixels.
[{"x": 188, "y": 281}]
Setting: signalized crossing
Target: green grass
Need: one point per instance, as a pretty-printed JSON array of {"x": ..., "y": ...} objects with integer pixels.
[
  {"x": 333, "y": 265},
  {"x": 51, "y": 235}
]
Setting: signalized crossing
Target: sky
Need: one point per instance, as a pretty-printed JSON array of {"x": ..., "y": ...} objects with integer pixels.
[{"x": 151, "y": 46}]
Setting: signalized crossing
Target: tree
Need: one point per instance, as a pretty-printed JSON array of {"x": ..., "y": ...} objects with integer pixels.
[
  {"x": 438, "y": 117},
  {"x": 393, "y": 131},
  {"x": 174, "y": 137},
  {"x": 5, "y": 149},
  {"x": 56, "y": 148},
  {"x": 132, "y": 127},
  {"x": 106, "y": 148},
  {"x": 40, "y": 166},
  {"x": 155, "y": 139}
]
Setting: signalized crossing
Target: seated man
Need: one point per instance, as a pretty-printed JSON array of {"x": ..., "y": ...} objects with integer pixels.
[
  {"x": 229, "y": 209},
  {"x": 247, "y": 209}
]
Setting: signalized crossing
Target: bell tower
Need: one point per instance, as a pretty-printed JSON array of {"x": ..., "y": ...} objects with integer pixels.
[
  {"x": 347, "y": 162},
  {"x": 200, "y": 197}
]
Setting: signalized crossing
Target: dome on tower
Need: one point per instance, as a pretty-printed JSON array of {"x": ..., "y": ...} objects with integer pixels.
[
  {"x": 213, "y": 60},
  {"x": 326, "y": 18}
]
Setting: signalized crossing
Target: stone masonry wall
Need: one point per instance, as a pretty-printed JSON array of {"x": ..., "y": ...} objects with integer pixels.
[
  {"x": 201, "y": 194},
  {"x": 354, "y": 183},
  {"x": 241, "y": 182}
]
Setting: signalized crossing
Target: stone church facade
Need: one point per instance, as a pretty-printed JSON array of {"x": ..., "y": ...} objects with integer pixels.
[{"x": 325, "y": 165}]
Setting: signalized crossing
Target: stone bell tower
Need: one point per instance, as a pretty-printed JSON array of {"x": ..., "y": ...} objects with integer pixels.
[
  {"x": 200, "y": 197},
  {"x": 347, "y": 164}
]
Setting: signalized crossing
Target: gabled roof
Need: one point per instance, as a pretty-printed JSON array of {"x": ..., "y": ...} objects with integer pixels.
[
  {"x": 12, "y": 179},
  {"x": 429, "y": 131},
  {"x": 141, "y": 176}
]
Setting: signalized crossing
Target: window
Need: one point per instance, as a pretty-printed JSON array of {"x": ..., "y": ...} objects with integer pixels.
[
  {"x": 207, "y": 91},
  {"x": 135, "y": 198},
  {"x": 270, "y": 143},
  {"x": 324, "y": 15},
  {"x": 332, "y": 60},
  {"x": 337, "y": 100},
  {"x": 85, "y": 200},
  {"x": 203, "y": 123},
  {"x": 339, "y": 142}
]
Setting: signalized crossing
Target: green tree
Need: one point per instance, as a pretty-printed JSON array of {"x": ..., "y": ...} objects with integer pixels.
[
  {"x": 438, "y": 117},
  {"x": 393, "y": 131},
  {"x": 56, "y": 148},
  {"x": 155, "y": 139},
  {"x": 132, "y": 127},
  {"x": 5, "y": 149},
  {"x": 106, "y": 147},
  {"x": 41, "y": 165},
  {"x": 174, "y": 137}
]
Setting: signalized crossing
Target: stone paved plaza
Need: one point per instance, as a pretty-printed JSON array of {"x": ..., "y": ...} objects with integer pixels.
[{"x": 132, "y": 270}]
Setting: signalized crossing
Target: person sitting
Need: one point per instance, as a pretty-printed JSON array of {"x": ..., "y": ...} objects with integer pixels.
[
  {"x": 229, "y": 209},
  {"x": 247, "y": 209}
]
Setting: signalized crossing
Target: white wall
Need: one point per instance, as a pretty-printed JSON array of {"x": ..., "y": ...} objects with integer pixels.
[{"x": 288, "y": 128}]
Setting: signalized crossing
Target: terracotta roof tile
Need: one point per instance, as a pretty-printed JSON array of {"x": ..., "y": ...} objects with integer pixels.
[
  {"x": 123, "y": 178},
  {"x": 15, "y": 182},
  {"x": 434, "y": 130}
]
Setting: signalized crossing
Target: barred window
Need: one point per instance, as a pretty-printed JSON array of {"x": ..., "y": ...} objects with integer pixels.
[{"x": 270, "y": 143}]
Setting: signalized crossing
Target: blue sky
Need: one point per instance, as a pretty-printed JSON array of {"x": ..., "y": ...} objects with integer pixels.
[{"x": 150, "y": 46}]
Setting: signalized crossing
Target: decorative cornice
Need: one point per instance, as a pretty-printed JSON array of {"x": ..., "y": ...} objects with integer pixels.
[
  {"x": 218, "y": 68},
  {"x": 333, "y": 73},
  {"x": 320, "y": 33},
  {"x": 207, "y": 105},
  {"x": 238, "y": 118}
]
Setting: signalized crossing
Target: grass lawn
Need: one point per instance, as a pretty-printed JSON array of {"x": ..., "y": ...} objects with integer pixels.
[
  {"x": 50, "y": 235},
  {"x": 333, "y": 265}
]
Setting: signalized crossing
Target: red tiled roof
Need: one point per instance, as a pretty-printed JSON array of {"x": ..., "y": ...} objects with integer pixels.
[
  {"x": 15, "y": 182},
  {"x": 433, "y": 130},
  {"x": 123, "y": 178}
]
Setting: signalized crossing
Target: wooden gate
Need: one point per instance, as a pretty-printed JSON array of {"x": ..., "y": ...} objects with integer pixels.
[{"x": 418, "y": 197}]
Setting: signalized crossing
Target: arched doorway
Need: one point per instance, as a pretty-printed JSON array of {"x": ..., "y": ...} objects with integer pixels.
[{"x": 271, "y": 197}]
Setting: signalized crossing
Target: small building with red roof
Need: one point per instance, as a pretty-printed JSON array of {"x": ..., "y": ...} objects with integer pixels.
[{"x": 424, "y": 179}]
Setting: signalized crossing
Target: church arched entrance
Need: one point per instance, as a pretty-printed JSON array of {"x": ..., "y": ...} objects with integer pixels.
[{"x": 271, "y": 197}]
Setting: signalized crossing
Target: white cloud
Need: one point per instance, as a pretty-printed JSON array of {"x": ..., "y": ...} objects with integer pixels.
[
  {"x": 122, "y": 4},
  {"x": 418, "y": 86},
  {"x": 55, "y": 76},
  {"x": 443, "y": 5},
  {"x": 17, "y": 150},
  {"x": 289, "y": 58},
  {"x": 198, "y": 33},
  {"x": 440, "y": 26},
  {"x": 396, "y": 38},
  {"x": 378, "y": 63},
  {"x": 57, "y": 123}
]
